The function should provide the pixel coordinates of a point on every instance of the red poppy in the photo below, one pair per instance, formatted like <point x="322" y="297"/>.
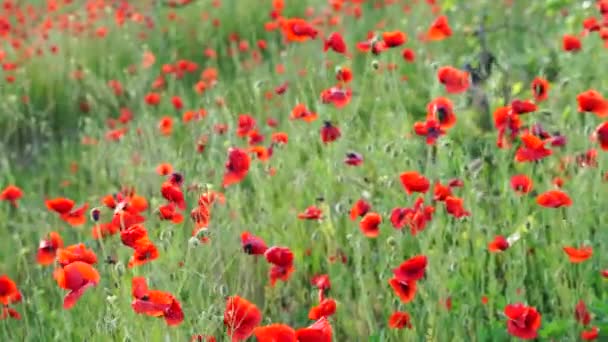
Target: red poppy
<point x="394" y="38"/>
<point x="590" y="335"/>
<point x="441" y="192"/>
<point x="319" y="331"/>
<point x="441" y="109"/>
<point x="321" y="282"/>
<point x="326" y="308"/>
<point x="252" y="244"/>
<point x="12" y="194"/>
<point x="280" y="256"/>
<point x="506" y="120"/>
<point x="416" y="217"/>
<point x="165" y="125"/>
<point x="337" y="96"/>
<point x="523" y="321"/>
<point x="298" y="30"/>
<point x="554" y="199"/>
<point x="370" y="225"/>
<point x="241" y="317"/>
<point x="9" y="293"/>
<point x="359" y="209"/>
<point x="408" y="55"/>
<point x="399" y="320"/>
<point x="60" y="205"/>
<point x="532" y="149"/>
<point x="523" y="107"/>
<point x="246" y="123"/>
<point x="164" y="169"/>
<point x="155" y="303"/>
<point x="439" y="30"/>
<point x="172" y="193"/>
<point x="601" y="134"/>
<point x="311" y="213"/>
<point x="279" y="138"/>
<point x="413" y="181"/>
<point x="540" y="89"/>
<point x="592" y="101"/>
<point x="412" y="269"/>
<point x="76" y="217"/>
<point x="237" y="166"/>
<point x="77" y="277"/>
<point x="578" y="255"/>
<point x="454" y="80"/>
<point x="336" y="42"/>
<point x="300" y="112"/>
<point x="275" y="333"/>
<point x="344" y="74"/>
<point x="521" y="184"/>
<point x="405" y="290"/>
<point x="454" y="207"/>
<point x="499" y="244"/>
<point x="571" y="43"/>
<point x="581" y="314"/>
<point x="353" y="159"/>
<point x="74" y="253"/>
<point x="431" y="129"/>
<point x="168" y="212"/>
<point x="145" y="251"/>
<point x="47" y="250"/>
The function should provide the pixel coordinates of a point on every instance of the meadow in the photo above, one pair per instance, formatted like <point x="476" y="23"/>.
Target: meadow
<point x="320" y="170"/>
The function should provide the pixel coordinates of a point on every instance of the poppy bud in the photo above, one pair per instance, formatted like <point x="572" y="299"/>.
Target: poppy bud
<point x="95" y="213"/>
<point x="375" y="64"/>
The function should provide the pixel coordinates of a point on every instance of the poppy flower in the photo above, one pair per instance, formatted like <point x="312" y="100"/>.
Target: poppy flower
<point x="581" y="314"/>
<point x="280" y="273"/>
<point x="60" y="205"/>
<point x="408" y="55"/>
<point x="439" y="29"/>
<point x="311" y="213"/>
<point x="164" y="169"/>
<point x="592" y="101"/>
<point x="145" y="251"/>
<point x="172" y="193"/>
<point x="280" y="256"/>
<point x="155" y="303"/>
<point x="353" y="159"/>
<point x="11" y="194"/>
<point x="571" y="43"/>
<point x="370" y="225"/>
<point x="394" y="38"/>
<point x="326" y="308"/>
<point x="279" y="138"/>
<point x="554" y="199"/>
<point x="77" y="277"/>
<point x="540" y="89"/>
<point x="319" y="331"/>
<point x="412" y="269"/>
<point x="532" y="149"/>
<point x="246" y="123"/>
<point x="431" y="129"/>
<point x="298" y="30"/>
<point x="300" y="112"/>
<point x="165" y="125"/>
<point x="454" y="80"/>
<point x="601" y="134"/>
<point x="76" y="217"/>
<point x="359" y="209"/>
<point x="521" y="184"/>
<point x="77" y="252"/>
<point x="168" y="212"/>
<point x="413" y="181"/>
<point x="416" y="217"/>
<point x="241" y="317"/>
<point x="321" y="282"/>
<point x="399" y="320"/>
<point x="337" y="96"/>
<point x="499" y="244"/>
<point x="405" y="290"/>
<point x="252" y="244"/>
<point x="275" y="333"/>
<point x="344" y="74"/>
<point x="454" y="207"/>
<point x="237" y="166"/>
<point x="522" y="321"/>
<point x="506" y="120"/>
<point x="441" y="109"/>
<point x="152" y="99"/>
<point x="336" y="42"/>
<point x="9" y="293"/>
<point x="590" y="335"/>
<point x="578" y="255"/>
<point x="523" y="107"/>
<point x="441" y="192"/>
<point x="47" y="250"/>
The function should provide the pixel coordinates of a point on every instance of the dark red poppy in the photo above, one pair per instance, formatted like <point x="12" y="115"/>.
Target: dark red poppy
<point x="359" y="209"/>
<point x="571" y="43"/>
<point x="399" y="320"/>
<point x="581" y="314"/>
<point x="412" y="269"/>
<point x="540" y="89"/>
<point x="499" y="244"/>
<point x="523" y="107"/>
<point x="336" y="42"/>
<point x="252" y="244"/>
<point x="405" y="290"/>
<point x="237" y="166"/>
<point x="408" y="55"/>
<point x="337" y="96"/>
<point x="601" y="134"/>
<point x="353" y="159"/>
<point x="522" y="321"/>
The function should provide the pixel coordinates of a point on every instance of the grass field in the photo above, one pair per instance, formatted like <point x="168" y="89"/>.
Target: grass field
<point x="421" y="163"/>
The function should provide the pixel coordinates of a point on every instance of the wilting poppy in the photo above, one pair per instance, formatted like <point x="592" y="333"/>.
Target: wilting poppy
<point x="240" y="318"/>
<point x="77" y="277"/>
<point x="578" y="255"/>
<point x="554" y="199"/>
<point x="523" y="321"/>
<point x="399" y="320"/>
<point x="47" y="250"/>
<point x="172" y="193"/>
<point x="370" y="225"/>
<point x="499" y="244"/>
<point x="168" y="212"/>
<point x="145" y="251"/>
